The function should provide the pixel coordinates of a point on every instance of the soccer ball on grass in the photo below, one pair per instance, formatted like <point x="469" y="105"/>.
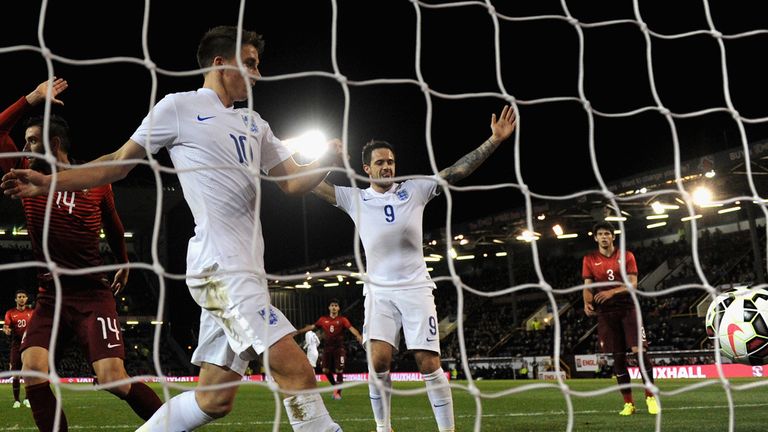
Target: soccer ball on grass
<point x="739" y="320"/>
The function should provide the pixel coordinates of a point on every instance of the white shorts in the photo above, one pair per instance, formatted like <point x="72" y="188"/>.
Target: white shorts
<point x="387" y="311"/>
<point x="312" y="355"/>
<point x="233" y="321"/>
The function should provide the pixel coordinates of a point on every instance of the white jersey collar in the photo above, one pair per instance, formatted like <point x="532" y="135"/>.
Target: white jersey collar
<point x="373" y="192"/>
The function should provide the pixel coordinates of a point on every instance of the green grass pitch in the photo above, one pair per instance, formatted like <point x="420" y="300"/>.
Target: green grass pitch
<point x="540" y="406"/>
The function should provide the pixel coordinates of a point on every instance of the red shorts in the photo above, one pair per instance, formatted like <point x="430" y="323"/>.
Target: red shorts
<point x="617" y="331"/>
<point x="15" y="356"/>
<point x="333" y="358"/>
<point x="91" y="315"/>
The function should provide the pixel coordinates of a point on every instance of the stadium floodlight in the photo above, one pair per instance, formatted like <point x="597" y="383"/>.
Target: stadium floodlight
<point x="657" y="216"/>
<point x="311" y="144"/>
<point x="655" y="225"/>
<point x="702" y="196"/>
<point x="729" y="209"/>
<point x="557" y="229"/>
<point x="709" y="174"/>
<point x="528" y="236"/>
<point x="567" y="236"/>
<point x="615" y="218"/>
<point x="687" y="218"/>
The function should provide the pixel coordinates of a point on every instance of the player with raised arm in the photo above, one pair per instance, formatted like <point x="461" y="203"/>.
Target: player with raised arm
<point x="225" y="258"/>
<point x="610" y="301"/>
<point x="334" y="326"/>
<point x="15" y="112"/>
<point x="16" y="321"/>
<point x="398" y="292"/>
<point x="88" y="308"/>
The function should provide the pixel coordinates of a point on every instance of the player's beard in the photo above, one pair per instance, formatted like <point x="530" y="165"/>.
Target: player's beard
<point x="39" y="165"/>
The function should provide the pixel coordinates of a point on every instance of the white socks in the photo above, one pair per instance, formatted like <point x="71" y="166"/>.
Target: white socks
<point x="181" y="413"/>
<point x="380" y="401"/>
<point x="307" y="413"/>
<point x="441" y="400"/>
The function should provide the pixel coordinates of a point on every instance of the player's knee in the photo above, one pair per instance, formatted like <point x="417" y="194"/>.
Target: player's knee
<point x="35" y="359"/>
<point x="215" y="404"/>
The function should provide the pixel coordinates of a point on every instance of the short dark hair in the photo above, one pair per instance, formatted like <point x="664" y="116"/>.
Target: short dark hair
<point x="372" y="145"/>
<point x="21" y="291"/>
<point x="334" y="300"/>
<point x="58" y="127"/>
<point x="602" y="225"/>
<point x="222" y="41"/>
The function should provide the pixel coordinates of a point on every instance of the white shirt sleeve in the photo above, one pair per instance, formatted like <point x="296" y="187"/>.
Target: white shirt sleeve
<point x="426" y="188"/>
<point x="165" y="127"/>
<point x="273" y="151"/>
<point x="345" y="198"/>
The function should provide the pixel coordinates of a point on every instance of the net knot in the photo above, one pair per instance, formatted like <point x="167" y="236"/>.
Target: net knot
<point x="716" y="34"/>
<point x="474" y="391"/>
<point x="149" y="64"/>
<point x="158" y="268"/>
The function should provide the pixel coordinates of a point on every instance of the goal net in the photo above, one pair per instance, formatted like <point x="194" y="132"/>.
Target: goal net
<point x="623" y="111"/>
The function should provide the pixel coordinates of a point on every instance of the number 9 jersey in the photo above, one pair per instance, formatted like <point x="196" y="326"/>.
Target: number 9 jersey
<point x="390" y="227"/>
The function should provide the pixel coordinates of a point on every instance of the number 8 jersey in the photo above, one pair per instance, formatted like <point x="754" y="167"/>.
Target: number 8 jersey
<point x="390" y="227"/>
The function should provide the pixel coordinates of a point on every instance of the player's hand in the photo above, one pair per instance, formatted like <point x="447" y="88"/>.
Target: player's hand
<point x="121" y="278"/>
<point x="25" y="183"/>
<point x="335" y="153"/>
<point x="503" y="127"/>
<point x="38" y="94"/>
<point x="7" y="331"/>
<point x="603" y="296"/>
<point x="589" y="309"/>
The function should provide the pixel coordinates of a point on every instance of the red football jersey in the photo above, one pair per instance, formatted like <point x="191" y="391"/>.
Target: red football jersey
<point x="333" y="329"/>
<point x="600" y="268"/>
<point x="76" y="221"/>
<point x="18" y="320"/>
<point x="76" y="217"/>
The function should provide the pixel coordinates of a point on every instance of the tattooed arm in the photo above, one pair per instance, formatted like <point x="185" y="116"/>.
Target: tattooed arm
<point x="501" y="128"/>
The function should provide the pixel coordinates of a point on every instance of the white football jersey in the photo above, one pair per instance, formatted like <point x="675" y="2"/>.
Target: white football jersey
<point x="212" y="146"/>
<point x="311" y="341"/>
<point x="390" y="227"/>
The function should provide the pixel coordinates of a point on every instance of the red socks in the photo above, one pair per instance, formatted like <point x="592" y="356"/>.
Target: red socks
<point x="43" y="404"/>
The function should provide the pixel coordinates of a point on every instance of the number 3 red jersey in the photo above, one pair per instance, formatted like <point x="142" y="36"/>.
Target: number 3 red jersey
<point x="600" y="268"/>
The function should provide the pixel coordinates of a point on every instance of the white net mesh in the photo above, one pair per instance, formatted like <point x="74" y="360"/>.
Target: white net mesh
<point x="602" y="94"/>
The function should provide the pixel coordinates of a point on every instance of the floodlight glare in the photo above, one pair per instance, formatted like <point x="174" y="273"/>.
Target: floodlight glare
<point x="311" y="144"/>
